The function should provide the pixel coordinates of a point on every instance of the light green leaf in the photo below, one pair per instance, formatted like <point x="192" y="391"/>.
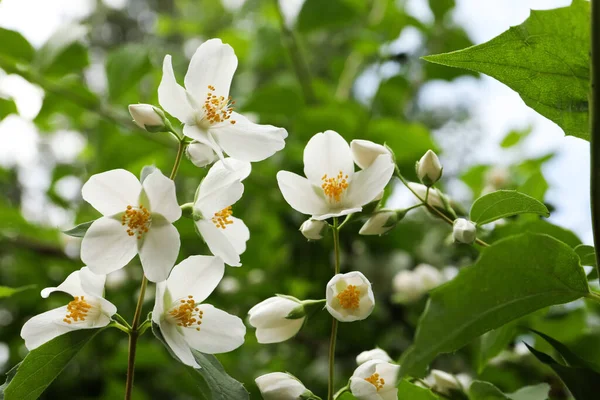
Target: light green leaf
<point x="505" y="203"/>
<point x="125" y="67"/>
<point x="42" y="365"/>
<point x="586" y="254"/>
<point x="486" y="391"/>
<point x="537" y="226"/>
<point x="493" y="342"/>
<point x="15" y="46"/>
<point x="514" y="137"/>
<point x="64" y="52"/>
<point x="545" y="59"/>
<point x="7" y="106"/>
<point x="407" y="390"/>
<point x="6" y="291"/>
<point x="512" y="278"/>
<point x="79" y="230"/>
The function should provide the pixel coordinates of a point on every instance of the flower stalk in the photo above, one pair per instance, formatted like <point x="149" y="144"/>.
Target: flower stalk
<point x="595" y="125"/>
<point x="334" y="323"/>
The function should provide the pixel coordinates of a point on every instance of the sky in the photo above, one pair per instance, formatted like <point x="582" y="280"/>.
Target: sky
<point x="495" y="108"/>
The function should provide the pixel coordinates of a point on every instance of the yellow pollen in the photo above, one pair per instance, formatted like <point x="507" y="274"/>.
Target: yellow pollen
<point x="77" y="310"/>
<point x="187" y="314"/>
<point x="222" y="218"/>
<point x="218" y="108"/>
<point x="349" y="297"/>
<point x="376" y="381"/>
<point x="334" y="187"/>
<point x="137" y="220"/>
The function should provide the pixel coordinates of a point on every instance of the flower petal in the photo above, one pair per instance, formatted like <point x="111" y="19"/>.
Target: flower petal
<point x="160" y="302"/>
<point x="106" y="247"/>
<point x="238" y="234"/>
<point x="362" y="389"/>
<point x="161" y="193"/>
<point x="327" y="153"/>
<point x="279" y="333"/>
<point x="171" y="96"/>
<point x="220" y="332"/>
<point x="71" y="285"/>
<point x="197" y="276"/>
<point x="92" y="283"/>
<point x="339" y="213"/>
<point x="218" y="243"/>
<point x="45" y="327"/>
<point x="368" y="183"/>
<point x="221" y="187"/>
<point x="388" y="372"/>
<point x="215" y="200"/>
<point x="301" y="194"/>
<point x="246" y="140"/>
<point x="177" y="343"/>
<point x="213" y="63"/>
<point x="159" y="249"/>
<point x="112" y="191"/>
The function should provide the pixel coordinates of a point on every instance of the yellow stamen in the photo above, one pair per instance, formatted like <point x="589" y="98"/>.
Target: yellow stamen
<point x="222" y="218"/>
<point x="137" y="220"/>
<point x="349" y="298"/>
<point x="77" y="310"/>
<point x="187" y="314"/>
<point x="334" y="187"/>
<point x="376" y="381"/>
<point x="217" y="108"/>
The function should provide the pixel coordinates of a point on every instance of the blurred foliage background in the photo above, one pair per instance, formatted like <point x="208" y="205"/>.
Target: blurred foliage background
<point x="307" y="74"/>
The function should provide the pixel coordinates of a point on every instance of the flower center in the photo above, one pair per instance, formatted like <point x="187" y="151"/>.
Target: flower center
<point x="186" y="314"/>
<point x="77" y="310"/>
<point x="376" y="381"/>
<point x="334" y="187"/>
<point x="217" y="108"/>
<point x="222" y="218"/>
<point x="137" y="220"/>
<point x="349" y="297"/>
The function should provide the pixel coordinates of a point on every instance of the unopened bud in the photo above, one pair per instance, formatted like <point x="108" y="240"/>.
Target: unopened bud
<point x="148" y="117"/>
<point x="313" y="229"/>
<point x="429" y="168"/>
<point x="464" y="231"/>
<point x="444" y="382"/>
<point x="201" y="154"/>
<point x="381" y="222"/>
<point x="282" y="386"/>
<point x="366" y="152"/>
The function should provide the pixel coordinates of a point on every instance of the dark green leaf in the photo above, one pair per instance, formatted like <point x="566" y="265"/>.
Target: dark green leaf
<point x="545" y="59"/>
<point x="79" y="230"/>
<point x="486" y="391"/>
<point x="8" y="291"/>
<point x="537" y="226"/>
<point x="505" y="203"/>
<point x="493" y="342"/>
<point x="407" y="390"/>
<point x="586" y="254"/>
<point x="15" y="46"/>
<point x="317" y="14"/>
<point x="125" y="67"/>
<point x="572" y="359"/>
<point x="42" y="365"/>
<point x="512" y="278"/>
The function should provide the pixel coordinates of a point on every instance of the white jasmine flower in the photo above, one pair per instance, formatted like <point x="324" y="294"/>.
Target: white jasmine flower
<point x="269" y="319"/>
<point x="313" y="229"/>
<point x="349" y="297"/>
<point x="366" y="152"/>
<point x="429" y="168"/>
<point x="375" y="354"/>
<point x="147" y="117"/>
<point x="225" y="235"/>
<point x="87" y="310"/>
<point x="200" y="154"/>
<point x="333" y="188"/>
<point x="185" y="322"/>
<point x="137" y="219"/>
<point x="206" y="108"/>
<point x="375" y="380"/>
<point x="281" y="386"/>
<point x="464" y="231"/>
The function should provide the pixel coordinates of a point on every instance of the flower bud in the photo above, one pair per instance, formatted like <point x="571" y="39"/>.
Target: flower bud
<point x="313" y="229"/>
<point x="148" y="117"/>
<point x="429" y="169"/>
<point x="365" y="152"/>
<point x="282" y="386"/>
<point x="429" y="277"/>
<point x="407" y="288"/>
<point x="349" y="297"/>
<point x="201" y="154"/>
<point x="444" y="382"/>
<point x="270" y="318"/>
<point x="381" y="222"/>
<point x="464" y="231"/>
<point x="375" y="354"/>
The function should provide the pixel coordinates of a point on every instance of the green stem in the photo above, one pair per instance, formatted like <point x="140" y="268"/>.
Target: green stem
<point x="348" y="218"/>
<point x="341" y="392"/>
<point x="137" y="329"/>
<point x="121" y="320"/>
<point x="120" y="327"/>
<point x="334" y="323"/>
<point x="595" y="127"/>
<point x="593" y="296"/>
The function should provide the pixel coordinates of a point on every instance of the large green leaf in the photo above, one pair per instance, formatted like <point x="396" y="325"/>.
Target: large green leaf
<point x="486" y="391"/>
<point x="212" y="379"/>
<point x="545" y="59"/>
<point x="125" y="67"/>
<point x="493" y="342"/>
<point x="410" y="391"/>
<point x="15" y="46"/>
<point x="505" y="203"/>
<point x="512" y="278"/>
<point x="42" y="365"/>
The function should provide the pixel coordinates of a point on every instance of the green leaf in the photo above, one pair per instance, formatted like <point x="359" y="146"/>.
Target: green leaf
<point x="586" y="254"/>
<point x="545" y="60"/>
<point x="7" y="106"/>
<point x="15" y="46"/>
<point x="407" y="390"/>
<point x="6" y="291"/>
<point x="493" y="342"/>
<point x="505" y="203"/>
<point x="537" y="226"/>
<point x="79" y="230"/>
<point x="347" y="396"/>
<point x="512" y="278"/>
<point x="514" y="137"/>
<point x="569" y="356"/>
<point x="125" y="67"/>
<point x="317" y="14"/>
<point x="42" y="365"/>
<point x="212" y="379"/>
<point x="441" y="7"/>
<point x="64" y="52"/>
<point x="486" y="391"/>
